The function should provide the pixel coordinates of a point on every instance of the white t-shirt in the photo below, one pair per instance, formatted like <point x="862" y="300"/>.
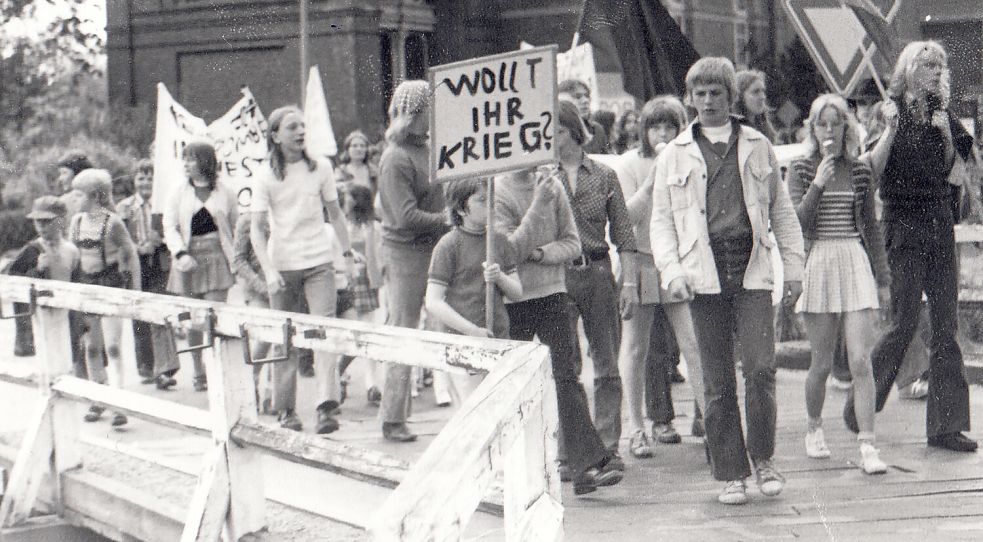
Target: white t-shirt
<point x="294" y="207"/>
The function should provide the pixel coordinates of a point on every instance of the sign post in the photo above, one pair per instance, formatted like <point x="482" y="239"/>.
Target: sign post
<point x="836" y="39"/>
<point x="492" y="115"/>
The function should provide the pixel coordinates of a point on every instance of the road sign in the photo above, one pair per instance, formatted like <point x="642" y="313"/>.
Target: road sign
<point x="835" y="38"/>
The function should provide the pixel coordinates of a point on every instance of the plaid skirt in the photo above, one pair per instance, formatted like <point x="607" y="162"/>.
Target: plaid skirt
<point x="212" y="273"/>
<point x="838" y="278"/>
<point x="365" y="298"/>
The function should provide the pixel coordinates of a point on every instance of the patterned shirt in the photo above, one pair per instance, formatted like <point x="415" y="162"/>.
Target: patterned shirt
<point x="597" y="201"/>
<point x="834" y="218"/>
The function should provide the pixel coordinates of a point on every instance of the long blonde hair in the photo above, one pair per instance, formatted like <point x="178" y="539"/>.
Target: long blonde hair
<point x="851" y="137"/>
<point x="409" y="100"/>
<point x="906" y="66"/>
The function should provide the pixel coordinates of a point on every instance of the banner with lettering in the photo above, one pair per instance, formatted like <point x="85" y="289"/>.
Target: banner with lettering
<point x="239" y="137"/>
<point x="176" y="127"/>
<point x="493" y="114"/>
<point x="578" y="63"/>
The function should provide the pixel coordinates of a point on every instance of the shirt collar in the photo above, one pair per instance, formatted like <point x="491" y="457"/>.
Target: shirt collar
<point x="735" y="121"/>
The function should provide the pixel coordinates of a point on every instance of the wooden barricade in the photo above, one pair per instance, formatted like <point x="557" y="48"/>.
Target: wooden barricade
<point x="509" y="424"/>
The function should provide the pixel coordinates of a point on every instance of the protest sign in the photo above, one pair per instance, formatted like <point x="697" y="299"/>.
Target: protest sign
<point x="493" y="114"/>
<point x="319" y="140"/>
<point x="578" y="63"/>
<point x="176" y="127"/>
<point x="239" y="137"/>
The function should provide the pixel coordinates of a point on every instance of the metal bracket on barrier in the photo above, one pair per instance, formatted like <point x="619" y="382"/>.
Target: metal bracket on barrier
<point x="32" y="304"/>
<point x="209" y="338"/>
<point x="288" y="344"/>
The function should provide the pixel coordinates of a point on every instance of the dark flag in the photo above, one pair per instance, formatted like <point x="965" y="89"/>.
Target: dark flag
<point x="876" y="27"/>
<point x="652" y="50"/>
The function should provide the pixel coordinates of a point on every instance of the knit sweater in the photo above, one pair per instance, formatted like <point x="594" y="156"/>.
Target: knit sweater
<point x="549" y="225"/>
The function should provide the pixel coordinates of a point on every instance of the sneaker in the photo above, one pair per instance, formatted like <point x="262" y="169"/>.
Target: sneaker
<point x="914" y="391"/>
<point x="770" y="482"/>
<point x="698" y="429"/>
<point x="566" y="475"/>
<point x="816" y="444"/>
<point x="665" y="433"/>
<point x="118" y="420"/>
<point x="638" y="445"/>
<point x="842" y="385"/>
<point x="615" y="462"/>
<point x="869" y="460"/>
<point x="200" y="383"/>
<point x="735" y="492"/>
<point x="94" y="413"/>
<point x="326" y="422"/>
<point x="374" y="396"/>
<point x="288" y="420"/>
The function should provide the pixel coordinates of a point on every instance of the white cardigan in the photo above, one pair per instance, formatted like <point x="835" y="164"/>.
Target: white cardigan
<point x="181" y="206"/>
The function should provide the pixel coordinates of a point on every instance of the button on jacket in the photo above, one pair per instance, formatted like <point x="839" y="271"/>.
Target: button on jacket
<point x="679" y="231"/>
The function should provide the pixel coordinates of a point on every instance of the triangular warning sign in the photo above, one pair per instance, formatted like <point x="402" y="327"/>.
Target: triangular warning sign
<point x="835" y="38"/>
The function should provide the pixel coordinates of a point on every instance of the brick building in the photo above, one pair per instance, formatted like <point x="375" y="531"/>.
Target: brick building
<point x="204" y="50"/>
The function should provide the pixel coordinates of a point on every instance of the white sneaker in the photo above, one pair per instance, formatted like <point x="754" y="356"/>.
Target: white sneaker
<point x="870" y="462"/>
<point x="914" y="391"/>
<point x="770" y="481"/>
<point x="816" y="444"/>
<point x="735" y="492"/>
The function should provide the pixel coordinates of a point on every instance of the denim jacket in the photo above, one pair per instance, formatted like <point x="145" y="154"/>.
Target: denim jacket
<point x="806" y="195"/>
<point x="679" y="233"/>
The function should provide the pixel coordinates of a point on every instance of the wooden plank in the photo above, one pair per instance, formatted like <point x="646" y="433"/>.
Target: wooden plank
<point x="231" y="399"/>
<point x="31" y="465"/>
<point x="315" y="451"/>
<point x="542" y="522"/>
<point x="209" y="506"/>
<point x="118" y="511"/>
<point x="525" y="472"/>
<point x="350" y="337"/>
<point x="436" y="499"/>
<point x="151" y="409"/>
<point x="969" y="233"/>
<point x="21" y="374"/>
<point x="52" y="335"/>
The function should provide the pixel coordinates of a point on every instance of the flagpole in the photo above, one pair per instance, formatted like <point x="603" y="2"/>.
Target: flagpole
<point x="580" y="21"/>
<point x="490" y="256"/>
<point x="303" y="49"/>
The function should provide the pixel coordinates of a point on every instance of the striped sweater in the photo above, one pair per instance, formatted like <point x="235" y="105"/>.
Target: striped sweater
<point x="807" y="197"/>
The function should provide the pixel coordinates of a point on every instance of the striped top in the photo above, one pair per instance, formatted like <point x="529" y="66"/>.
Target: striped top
<point x="835" y="218"/>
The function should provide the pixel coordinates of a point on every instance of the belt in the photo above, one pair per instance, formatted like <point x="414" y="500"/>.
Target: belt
<point x="586" y="258"/>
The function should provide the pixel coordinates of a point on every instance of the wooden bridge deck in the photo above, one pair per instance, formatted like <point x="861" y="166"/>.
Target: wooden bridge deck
<point x="926" y="495"/>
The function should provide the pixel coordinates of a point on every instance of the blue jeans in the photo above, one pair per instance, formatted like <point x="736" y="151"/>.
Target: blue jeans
<point x="715" y="318"/>
<point x="406" y="271"/>
<point x="595" y="299"/>
<point x="316" y="286"/>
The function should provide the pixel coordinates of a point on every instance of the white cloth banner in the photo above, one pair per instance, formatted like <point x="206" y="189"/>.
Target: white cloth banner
<point x="176" y="127"/>
<point x="239" y="137"/>
<point x="319" y="138"/>
<point x="578" y="63"/>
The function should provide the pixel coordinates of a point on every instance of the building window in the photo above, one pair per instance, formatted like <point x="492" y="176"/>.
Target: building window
<point x="742" y="56"/>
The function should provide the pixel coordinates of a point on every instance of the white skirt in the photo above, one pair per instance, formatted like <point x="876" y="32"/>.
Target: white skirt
<point x="838" y="278"/>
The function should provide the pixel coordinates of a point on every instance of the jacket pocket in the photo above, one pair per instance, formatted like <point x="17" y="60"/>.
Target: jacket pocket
<point x="679" y="192"/>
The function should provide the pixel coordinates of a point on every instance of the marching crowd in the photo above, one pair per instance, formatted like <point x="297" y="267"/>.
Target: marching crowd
<point x="669" y="257"/>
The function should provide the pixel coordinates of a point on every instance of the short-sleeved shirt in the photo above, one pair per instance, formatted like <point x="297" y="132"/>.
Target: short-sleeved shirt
<point x="295" y="209"/>
<point x="456" y="264"/>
